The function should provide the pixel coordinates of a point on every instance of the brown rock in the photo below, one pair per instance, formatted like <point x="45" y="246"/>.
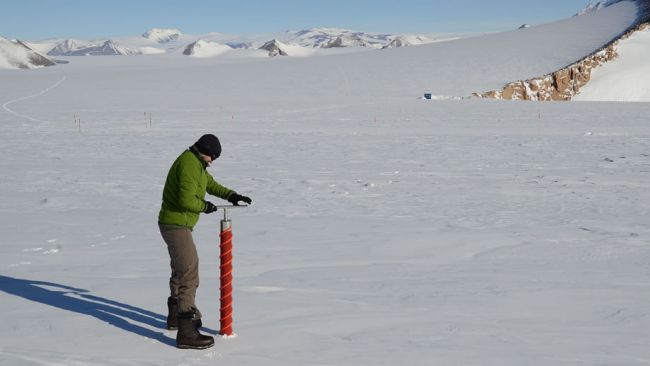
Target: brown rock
<point x="562" y="80"/>
<point x="514" y="91"/>
<point x="492" y="94"/>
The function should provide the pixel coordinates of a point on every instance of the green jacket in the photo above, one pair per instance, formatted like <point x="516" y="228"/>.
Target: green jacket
<point x="184" y="192"/>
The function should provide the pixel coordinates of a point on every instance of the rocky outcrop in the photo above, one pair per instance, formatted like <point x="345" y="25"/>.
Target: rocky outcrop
<point x="275" y="48"/>
<point x="397" y="42"/>
<point x="349" y="40"/>
<point x="562" y="84"/>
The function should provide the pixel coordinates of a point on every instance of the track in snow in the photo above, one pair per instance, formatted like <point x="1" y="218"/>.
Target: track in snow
<point x="42" y="92"/>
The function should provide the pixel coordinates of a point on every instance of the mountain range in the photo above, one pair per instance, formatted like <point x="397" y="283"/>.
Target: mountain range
<point x="303" y="43"/>
<point x="173" y="41"/>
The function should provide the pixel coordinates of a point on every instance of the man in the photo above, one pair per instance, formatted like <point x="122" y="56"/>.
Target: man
<point x="182" y="202"/>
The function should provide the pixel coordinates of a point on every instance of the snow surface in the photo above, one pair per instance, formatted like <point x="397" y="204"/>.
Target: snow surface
<point x="384" y="229"/>
<point x="627" y="78"/>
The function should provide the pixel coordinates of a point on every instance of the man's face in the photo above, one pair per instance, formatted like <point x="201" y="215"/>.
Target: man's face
<point x="208" y="159"/>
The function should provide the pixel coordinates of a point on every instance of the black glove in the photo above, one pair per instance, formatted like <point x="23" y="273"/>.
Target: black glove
<point x="209" y="207"/>
<point x="235" y="197"/>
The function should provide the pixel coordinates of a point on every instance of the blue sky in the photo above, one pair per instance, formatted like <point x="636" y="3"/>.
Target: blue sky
<point x="39" y="19"/>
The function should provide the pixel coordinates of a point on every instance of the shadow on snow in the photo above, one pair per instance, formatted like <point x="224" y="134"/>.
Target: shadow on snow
<point x="81" y="301"/>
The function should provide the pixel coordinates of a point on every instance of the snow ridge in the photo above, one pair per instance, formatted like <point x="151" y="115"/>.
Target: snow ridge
<point x="16" y="54"/>
<point x="565" y="83"/>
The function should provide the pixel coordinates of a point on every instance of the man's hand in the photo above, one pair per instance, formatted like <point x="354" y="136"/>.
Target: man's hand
<point x="234" y="198"/>
<point x="209" y="207"/>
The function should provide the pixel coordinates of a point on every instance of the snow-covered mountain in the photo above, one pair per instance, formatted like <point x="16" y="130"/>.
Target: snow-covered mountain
<point x="404" y="41"/>
<point x="162" y="35"/>
<point x="290" y="43"/>
<point x="106" y="48"/>
<point x="67" y="47"/>
<point x="350" y="40"/>
<point x="239" y="45"/>
<point x="397" y="42"/>
<point x="277" y="48"/>
<point x="202" y="49"/>
<point x="17" y="55"/>
<point x="334" y="37"/>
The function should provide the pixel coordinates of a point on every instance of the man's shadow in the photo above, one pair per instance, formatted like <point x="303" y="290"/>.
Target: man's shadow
<point x="81" y="301"/>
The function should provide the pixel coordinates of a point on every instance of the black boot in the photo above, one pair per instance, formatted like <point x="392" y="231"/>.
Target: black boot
<point x="188" y="336"/>
<point x="197" y="323"/>
<point x="172" y="317"/>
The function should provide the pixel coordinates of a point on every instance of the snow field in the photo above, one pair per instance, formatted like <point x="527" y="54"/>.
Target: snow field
<point x="454" y="231"/>
<point x="385" y="229"/>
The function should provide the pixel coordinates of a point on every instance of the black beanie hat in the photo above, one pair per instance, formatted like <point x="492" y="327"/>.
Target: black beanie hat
<point x="209" y="145"/>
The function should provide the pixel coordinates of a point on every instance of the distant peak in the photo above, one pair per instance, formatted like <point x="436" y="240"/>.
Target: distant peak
<point x="597" y="6"/>
<point x="162" y="35"/>
<point x="202" y="48"/>
<point x="275" y="48"/>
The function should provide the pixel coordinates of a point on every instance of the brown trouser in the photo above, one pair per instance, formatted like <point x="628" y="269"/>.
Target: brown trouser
<point x="184" y="264"/>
